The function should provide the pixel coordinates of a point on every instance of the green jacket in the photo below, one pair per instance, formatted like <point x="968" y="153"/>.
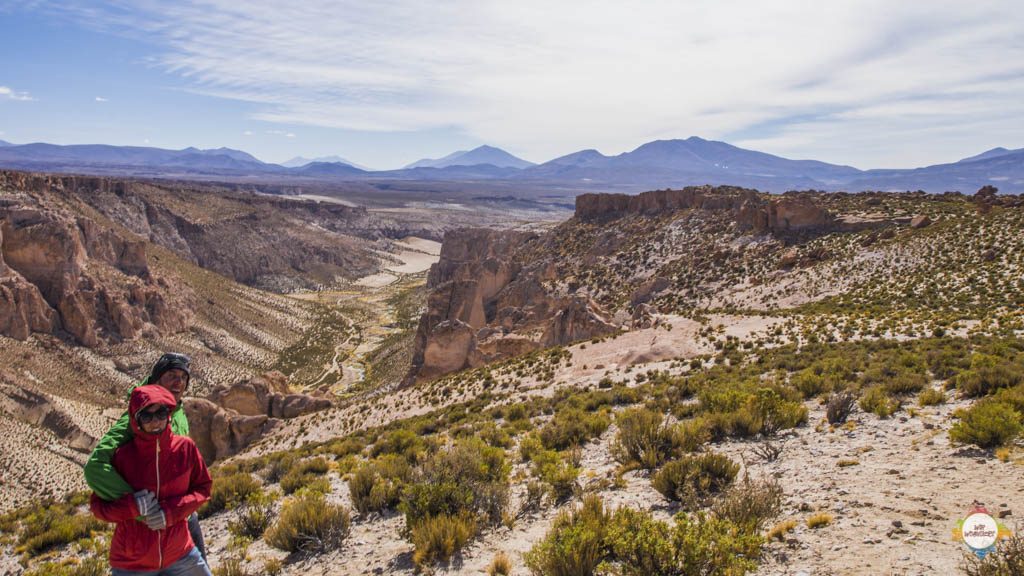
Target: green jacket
<point x="100" y="474"/>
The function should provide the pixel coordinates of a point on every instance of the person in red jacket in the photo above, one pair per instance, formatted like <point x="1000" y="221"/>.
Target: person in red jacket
<point x="170" y="481"/>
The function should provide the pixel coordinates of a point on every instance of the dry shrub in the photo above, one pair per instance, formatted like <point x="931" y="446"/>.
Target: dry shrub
<point x="309" y="524"/>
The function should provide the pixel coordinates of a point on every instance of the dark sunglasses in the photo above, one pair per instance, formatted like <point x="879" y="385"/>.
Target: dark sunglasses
<point x="147" y="416"/>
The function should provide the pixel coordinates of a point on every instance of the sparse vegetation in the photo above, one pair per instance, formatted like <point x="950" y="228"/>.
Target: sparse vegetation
<point x="310" y="524"/>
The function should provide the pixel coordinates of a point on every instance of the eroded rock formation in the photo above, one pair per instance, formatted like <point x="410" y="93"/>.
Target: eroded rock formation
<point x="487" y="304"/>
<point x="233" y="417"/>
<point x="61" y="271"/>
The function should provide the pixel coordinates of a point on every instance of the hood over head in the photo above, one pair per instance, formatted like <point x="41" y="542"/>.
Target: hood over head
<point x="144" y="396"/>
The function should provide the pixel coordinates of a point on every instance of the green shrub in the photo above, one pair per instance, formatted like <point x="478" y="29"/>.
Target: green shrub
<point x="558" y="472"/>
<point x="692" y="480"/>
<point x="403" y="442"/>
<point x="438" y="538"/>
<point x="253" y="518"/>
<point x="470" y="477"/>
<point x="697" y="545"/>
<point x="645" y="439"/>
<point x="377" y="485"/>
<point x="91" y="566"/>
<point x="630" y="542"/>
<point x="690" y="435"/>
<point x="641" y="544"/>
<point x="309" y="523"/>
<point x="280" y="464"/>
<point x="775" y="412"/>
<point x="988" y="374"/>
<point x="574" y="545"/>
<point x="572" y="427"/>
<point x="750" y="504"/>
<point x="987" y="424"/>
<point x="56" y="526"/>
<point x="931" y="397"/>
<point x="305" y="474"/>
<point x="876" y="401"/>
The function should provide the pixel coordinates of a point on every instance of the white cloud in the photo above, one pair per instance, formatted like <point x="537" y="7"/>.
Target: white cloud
<point x="101" y="99"/>
<point x="10" y="94"/>
<point x="247" y="133"/>
<point x="867" y="78"/>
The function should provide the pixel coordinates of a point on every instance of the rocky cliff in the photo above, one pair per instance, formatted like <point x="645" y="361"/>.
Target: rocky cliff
<point x="761" y="213"/>
<point x="61" y="271"/>
<point x="488" y="303"/>
<point x="619" y="262"/>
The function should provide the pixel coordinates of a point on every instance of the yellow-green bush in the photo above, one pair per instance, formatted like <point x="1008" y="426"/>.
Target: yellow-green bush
<point x="253" y="518"/>
<point x="931" y="397"/>
<point x="438" y="538"/>
<point x="305" y="473"/>
<point x="308" y="523"/>
<point x="876" y="401"/>
<point x="230" y="491"/>
<point x="377" y="485"/>
<point x="575" y="544"/>
<point x="92" y="566"/>
<point x="571" y="427"/>
<point x="692" y="480"/>
<point x="55" y="526"/>
<point x="644" y="439"/>
<point x="469" y="477"/>
<point x="583" y="540"/>
<point x="989" y="423"/>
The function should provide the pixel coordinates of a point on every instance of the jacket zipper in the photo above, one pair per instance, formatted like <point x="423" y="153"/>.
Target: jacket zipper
<point x="159" y="543"/>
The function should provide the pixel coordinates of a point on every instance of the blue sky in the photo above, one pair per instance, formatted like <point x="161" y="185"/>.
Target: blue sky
<point x="863" y="82"/>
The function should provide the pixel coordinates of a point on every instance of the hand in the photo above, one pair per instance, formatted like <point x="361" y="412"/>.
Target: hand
<point x="156" y="519"/>
<point x="145" y="501"/>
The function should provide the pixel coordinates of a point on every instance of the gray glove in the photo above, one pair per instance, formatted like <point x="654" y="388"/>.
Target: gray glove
<point x="156" y="520"/>
<point x="145" y="501"/>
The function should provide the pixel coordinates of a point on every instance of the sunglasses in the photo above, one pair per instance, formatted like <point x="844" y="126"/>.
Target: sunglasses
<point x="147" y="416"/>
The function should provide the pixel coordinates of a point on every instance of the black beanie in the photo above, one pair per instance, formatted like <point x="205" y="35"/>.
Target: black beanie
<point x="169" y="361"/>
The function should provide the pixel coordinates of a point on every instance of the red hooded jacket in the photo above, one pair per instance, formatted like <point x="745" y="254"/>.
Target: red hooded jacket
<point x="172" y="468"/>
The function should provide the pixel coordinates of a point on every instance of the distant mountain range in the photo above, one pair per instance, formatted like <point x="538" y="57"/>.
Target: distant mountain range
<point x="476" y="156"/>
<point x="658" y="164"/>
<point x="299" y="162"/>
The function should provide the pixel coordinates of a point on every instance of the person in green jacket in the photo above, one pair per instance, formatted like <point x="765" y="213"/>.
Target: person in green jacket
<point x="172" y="371"/>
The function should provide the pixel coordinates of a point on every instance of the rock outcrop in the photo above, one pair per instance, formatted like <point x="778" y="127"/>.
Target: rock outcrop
<point x="779" y="215"/>
<point x="488" y="302"/>
<point x="60" y="271"/>
<point x="233" y="417"/>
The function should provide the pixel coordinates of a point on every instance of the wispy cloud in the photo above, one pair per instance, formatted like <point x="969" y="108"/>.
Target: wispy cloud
<point x="284" y="133"/>
<point x="101" y="99"/>
<point x="546" y="78"/>
<point x="247" y="133"/>
<point x="10" y="94"/>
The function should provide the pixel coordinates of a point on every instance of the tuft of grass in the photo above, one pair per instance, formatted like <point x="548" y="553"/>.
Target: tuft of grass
<point x="819" y="520"/>
<point x="501" y="565"/>
<point x="931" y="397"/>
<point x="846" y="462"/>
<point x="779" y="531"/>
